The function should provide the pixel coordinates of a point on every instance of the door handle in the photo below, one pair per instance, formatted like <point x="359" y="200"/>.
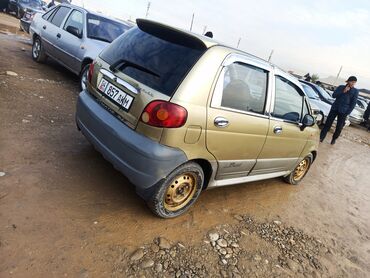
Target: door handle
<point x="59" y="35"/>
<point x="44" y="27"/>
<point x="278" y="130"/>
<point x="221" y="122"/>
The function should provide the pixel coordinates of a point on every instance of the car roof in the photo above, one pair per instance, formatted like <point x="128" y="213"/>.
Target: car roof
<point x="308" y="83"/>
<point x="95" y="13"/>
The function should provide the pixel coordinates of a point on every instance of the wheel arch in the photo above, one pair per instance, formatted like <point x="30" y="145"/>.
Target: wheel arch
<point x="207" y="170"/>
<point x="35" y="35"/>
<point x="314" y="155"/>
<point x="85" y="61"/>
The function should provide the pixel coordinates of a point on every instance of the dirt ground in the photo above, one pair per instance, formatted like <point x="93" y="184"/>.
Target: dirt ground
<point x="66" y="212"/>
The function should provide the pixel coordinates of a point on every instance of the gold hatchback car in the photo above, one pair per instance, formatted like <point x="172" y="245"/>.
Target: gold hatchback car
<point x="178" y="113"/>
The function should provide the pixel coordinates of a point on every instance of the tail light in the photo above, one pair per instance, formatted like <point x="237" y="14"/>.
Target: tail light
<point x="91" y="71"/>
<point x="160" y="113"/>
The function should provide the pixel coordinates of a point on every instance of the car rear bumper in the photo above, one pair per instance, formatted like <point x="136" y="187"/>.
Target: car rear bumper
<point x="355" y="120"/>
<point x="143" y="161"/>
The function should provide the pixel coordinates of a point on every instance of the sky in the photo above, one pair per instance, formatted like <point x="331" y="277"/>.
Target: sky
<point x="316" y="36"/>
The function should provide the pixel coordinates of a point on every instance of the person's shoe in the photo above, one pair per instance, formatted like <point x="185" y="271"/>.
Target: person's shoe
<point x="333" y="141"/>
<point x="321" y="140"/>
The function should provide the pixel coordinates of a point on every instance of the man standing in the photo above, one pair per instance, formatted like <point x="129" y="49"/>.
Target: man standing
<point x="345" y="101"/>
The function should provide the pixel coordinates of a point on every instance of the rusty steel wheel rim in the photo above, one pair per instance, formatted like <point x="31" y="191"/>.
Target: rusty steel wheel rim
<point x="180" y="192"/>
<point x="301" y="169"/>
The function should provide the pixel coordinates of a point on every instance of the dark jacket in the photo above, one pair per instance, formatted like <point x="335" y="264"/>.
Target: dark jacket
<point x="344" y="102"/>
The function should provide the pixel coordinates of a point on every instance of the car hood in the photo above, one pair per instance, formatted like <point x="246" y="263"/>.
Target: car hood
<point x="32" y="7"/>
<point x="320" y="105"/>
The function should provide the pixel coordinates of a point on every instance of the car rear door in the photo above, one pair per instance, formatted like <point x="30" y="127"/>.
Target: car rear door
<point x="237" y="122"/>
<point x="72" y="48"/>
<point x="51" y="31"/>
<point x="285" y="141"/>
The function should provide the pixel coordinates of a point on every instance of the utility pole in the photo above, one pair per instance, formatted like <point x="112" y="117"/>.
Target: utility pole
<point x="147" y="10"/>
<point x="192" y="20"/>
<point x="272" y="52"/>
<point x="340" y="70"/>
<point x="237" y="46"/>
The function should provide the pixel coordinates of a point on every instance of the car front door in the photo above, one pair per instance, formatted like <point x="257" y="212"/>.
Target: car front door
<point x="237" y="123"/>
<point x="71" y="43"/>
<point x="285" y="140"/>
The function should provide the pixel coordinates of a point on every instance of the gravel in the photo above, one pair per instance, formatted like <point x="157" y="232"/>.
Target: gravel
<point x="227" y="252"/>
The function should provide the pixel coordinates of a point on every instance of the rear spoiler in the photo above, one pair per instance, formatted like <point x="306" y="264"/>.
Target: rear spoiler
<point x="171" y="34"/>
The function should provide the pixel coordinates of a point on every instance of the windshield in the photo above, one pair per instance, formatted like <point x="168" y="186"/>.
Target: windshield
<point x="310" y="92"/>
<point x="324" y="93"/>
<point x="104" y="29"/>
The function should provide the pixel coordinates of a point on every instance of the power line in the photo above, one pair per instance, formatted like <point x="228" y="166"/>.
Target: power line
<point x="192" y="20"/>
<point x="147" y="10"/>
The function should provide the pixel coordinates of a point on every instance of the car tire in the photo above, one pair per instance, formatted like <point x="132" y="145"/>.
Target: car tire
<point x="300" y="171"/>
<point x="83" y="77"/>
<point x="178" y="192"/>
<point x="18" y="13"/>
<point x="38" y="52"/>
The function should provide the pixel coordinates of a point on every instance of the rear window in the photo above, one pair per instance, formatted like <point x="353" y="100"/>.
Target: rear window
<point x="159" y="60"/>
<point x="60" y="15"/>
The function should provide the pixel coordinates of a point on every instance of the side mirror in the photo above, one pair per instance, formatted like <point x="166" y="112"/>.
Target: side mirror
<point x="74" y="31"/>
<point x="308" y="120"/>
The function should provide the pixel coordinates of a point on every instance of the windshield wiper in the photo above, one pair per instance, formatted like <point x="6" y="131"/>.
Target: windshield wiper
<point x="100" y="39"/>
<point x="122" y="63"/>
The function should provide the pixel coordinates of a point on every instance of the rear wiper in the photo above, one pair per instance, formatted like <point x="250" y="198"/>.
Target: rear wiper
<point x="122" y="63"/>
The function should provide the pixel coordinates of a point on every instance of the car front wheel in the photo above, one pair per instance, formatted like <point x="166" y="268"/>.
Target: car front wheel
<point x="300" y="171"/>
<point x="38" y="52"/>
<point x="178" y="192"/>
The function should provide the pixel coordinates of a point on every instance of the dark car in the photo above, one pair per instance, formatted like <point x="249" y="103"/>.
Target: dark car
<point x="20" y="7"/>
<point x="324" y="95"/>
<point x="26" y="20"/>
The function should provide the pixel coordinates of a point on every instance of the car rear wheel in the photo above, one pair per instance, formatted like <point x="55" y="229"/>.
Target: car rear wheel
<point x="83" y="77"/>
<point x="38" y="52"/>
<point x="178" y="192"/>
<point x="300" y="171"/>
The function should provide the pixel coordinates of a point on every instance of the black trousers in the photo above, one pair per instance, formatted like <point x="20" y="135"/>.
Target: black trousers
<point x="329" y="122"/>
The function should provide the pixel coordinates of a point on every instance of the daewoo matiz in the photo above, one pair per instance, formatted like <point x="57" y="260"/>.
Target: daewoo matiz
<point x="178" y="113"/>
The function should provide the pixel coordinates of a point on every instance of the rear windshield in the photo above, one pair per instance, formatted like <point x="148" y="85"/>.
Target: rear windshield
<point x="104" y="29"/>
<point x="158" y="61"/>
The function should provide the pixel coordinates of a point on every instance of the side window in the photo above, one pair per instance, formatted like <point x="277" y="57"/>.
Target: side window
<point x="60" y="15"/>
<point x="47" y="16"/>
<point x="75" y="20"/>
<point x="244" y="88"/>
<point x="288" y="100"/>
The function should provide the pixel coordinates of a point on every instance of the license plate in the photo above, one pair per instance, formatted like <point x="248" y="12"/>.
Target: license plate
<point x="118" y="96"/>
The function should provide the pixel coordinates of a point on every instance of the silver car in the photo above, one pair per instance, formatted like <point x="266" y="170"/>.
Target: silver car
<point x="73" y="36"/>
<point x="318" y="104"/>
